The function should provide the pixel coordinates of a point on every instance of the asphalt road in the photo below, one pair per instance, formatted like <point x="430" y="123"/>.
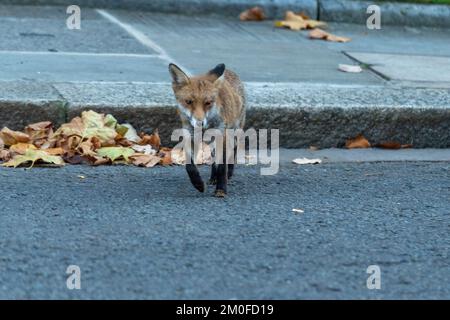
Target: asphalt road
<point x="146" y="233"/>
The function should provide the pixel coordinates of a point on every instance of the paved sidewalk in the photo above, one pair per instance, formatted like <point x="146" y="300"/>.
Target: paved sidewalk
<point x="118" y="62"/>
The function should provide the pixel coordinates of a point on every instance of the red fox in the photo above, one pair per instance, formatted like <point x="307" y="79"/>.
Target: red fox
<point x="212" y="100"/>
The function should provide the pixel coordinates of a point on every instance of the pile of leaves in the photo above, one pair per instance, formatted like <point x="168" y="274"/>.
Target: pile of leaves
<point x="93" y="138"/>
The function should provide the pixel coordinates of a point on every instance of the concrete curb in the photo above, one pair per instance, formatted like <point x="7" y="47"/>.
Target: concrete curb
<point x="306" y="115"/>
<point x="348" y="11"/>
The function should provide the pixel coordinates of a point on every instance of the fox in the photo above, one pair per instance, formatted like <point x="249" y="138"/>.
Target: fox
<point x="214" y="100"/>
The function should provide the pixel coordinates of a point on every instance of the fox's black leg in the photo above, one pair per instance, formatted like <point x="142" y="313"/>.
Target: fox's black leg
<point x="193" y="173"/>
<point x="213" y="178"/>
<point x="231" y="165"/>
<point x="230" y="170"/>
<point x="195" y="177"/>
<point x="221" y="187"/>
<point x="221" y="174"/>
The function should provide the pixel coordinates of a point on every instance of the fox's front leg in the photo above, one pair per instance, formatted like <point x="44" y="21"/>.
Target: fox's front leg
<point x="213" y="177"/>
<point x="221" y="176"/>
<point x="193" y="173"/>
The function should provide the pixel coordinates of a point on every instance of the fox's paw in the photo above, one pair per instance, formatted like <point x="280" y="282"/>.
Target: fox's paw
<point x="212" y="182"/>
<point x="220" y="193"/>
<point x="201" y="186"/>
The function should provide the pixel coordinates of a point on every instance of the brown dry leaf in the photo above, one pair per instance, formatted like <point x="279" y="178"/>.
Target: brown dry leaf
<point x="5" y="155"/>
<point x="86" y="148"/>
<point x="358" y="142"/>
<point x="39" y="132"/>
<point x="394" y="145"/>
<point x="154" y="140"/>
<point x="323" y="35"/>
<point x="253" y="14"/>
<point x="10" y="137"/>
<point x="145" y="160"/>
<point x="166" y="156"/>
<point x="54" y="151"/>
<point x="389" y="145"/>
<point x="298" y="22"/>
<point x="21" y="148"/>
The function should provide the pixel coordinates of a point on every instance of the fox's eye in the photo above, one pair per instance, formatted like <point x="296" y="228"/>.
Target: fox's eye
<point x="208" y="103"/>
<point x="189" y="102"/>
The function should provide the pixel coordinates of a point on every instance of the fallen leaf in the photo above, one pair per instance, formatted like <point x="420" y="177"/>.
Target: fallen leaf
<point x="389" y="145"/>
<point x="91" y="124"/>
<point x="115" y="153"/>
<point x="358" y="142"/>
<point x="39" y="132"/>
<point x="5" y="155"/>
<point x="154" y="140"/>
<point x="349" y="68"/>
<point x="297" y="22"/>
<point x="323" y="35"/>
<point x="166" y="156"/>
<point x="392" y="145"/>
<point x="54" y="151"/>
<point x="33" y="156"/>
<point x="306" y="161"/>
<point x="21" y="148"/>
<point x="253" y="14"/>
<point x="145" y="160"/>
<point x="10" y="137"/>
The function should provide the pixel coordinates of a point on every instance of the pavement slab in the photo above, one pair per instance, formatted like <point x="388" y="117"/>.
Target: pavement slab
<point x="36" y="28"/>
<point x="258" y="51"/>
<point x="407" y="67"/>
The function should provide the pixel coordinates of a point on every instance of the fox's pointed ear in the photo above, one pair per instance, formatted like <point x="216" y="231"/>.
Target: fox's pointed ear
<point x="178" y="76"/>
<point x="218" y="72"/>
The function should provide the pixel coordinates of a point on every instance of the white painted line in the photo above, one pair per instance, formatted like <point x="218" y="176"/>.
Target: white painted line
<point x="81" y="54"/>
<point x="142" y="38"/>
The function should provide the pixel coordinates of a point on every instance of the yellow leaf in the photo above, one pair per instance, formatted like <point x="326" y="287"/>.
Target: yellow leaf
<point x="114" y="153"/>
<point x="323" y="35"/>
<point x="32" y="156"/>
<point x="21" y="148"/>
<point x="298" y="22"/>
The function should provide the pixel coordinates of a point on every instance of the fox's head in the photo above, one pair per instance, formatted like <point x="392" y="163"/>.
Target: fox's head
<point x="197" y="95"/>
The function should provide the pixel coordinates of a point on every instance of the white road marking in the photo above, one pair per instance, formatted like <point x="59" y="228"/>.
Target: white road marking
<point x="142" y="38"/>
<point x="81" y="54"/>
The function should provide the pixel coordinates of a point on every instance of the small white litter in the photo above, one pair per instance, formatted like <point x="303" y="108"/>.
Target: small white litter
<point x="349" y="68"/>
<point x="298" y="210"/>
<point x="306" y="161"/>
